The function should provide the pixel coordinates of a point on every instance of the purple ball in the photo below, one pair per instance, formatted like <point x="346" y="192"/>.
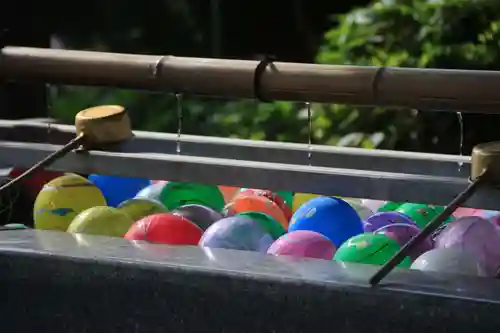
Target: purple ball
<point x="476" y="235"/>
<point x="403" y="233"/>
<point x="236" y="233"/>
<point x="380" y="220"/>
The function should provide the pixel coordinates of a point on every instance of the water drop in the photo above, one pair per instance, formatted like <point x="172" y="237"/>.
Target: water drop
<point x="461" y="126"/>
<point x="178" y="98"/>
<point x="309" y="145"/>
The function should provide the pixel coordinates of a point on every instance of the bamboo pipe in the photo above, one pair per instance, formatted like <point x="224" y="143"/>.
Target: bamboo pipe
<point x="427" y="89"/>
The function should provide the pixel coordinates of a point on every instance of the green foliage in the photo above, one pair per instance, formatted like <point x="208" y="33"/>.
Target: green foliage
<point x="408" y="33"/>
<point x="461" y="34"/>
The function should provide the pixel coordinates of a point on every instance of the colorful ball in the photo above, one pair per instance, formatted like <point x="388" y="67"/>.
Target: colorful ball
<point x="202" y="216"/>
<point x="303" y="244"/>
<point x="363" y="211"/>
<point x="372" y="204"/>
<point x="176" y="194"/>
<point x="237" y="233"/>
<point x="464" y="211"/>
<point x="389" y="206"/>
<point x="420" y="214"/>
<point x="228" y="192"/>
<point x="62" y="199"/>
<point x="165" y="228"/>
<point x="380" y="220"/>
<point x="152" y="191"/>
<point x="368" y="248"/>
<point x="495" y="220"/>
<point x="101" y="220"/>
<point x="287" y="197"/>
<point x="439" y="210"/>
<point x="137" y="208"/>
<point x="268" y="223"/>
<point x="252" y="203"/>
<point x="450" y="260"/>
<point x="476" y="235"/>
<point x="403" y="233"/>
<point x="487" y="213"/>
<point x="118" y="189"/>
<point x="37" y="180"/>
<point x="15" y="226"/>
<point x="350" y="200"/>
<point x="331" y="217"/>
<point x="300" y="199"/>
<point x="274" y="197"/>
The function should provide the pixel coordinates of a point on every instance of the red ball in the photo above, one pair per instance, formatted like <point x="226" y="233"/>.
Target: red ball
<point x="271" y="196"/>
<point x="165" y="228"/>
<point x="36" y="181"/>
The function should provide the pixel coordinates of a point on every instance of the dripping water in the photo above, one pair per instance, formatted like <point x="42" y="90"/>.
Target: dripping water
<point x="178" y="98"/>
<point x="461" y="126"/>
<point x="309" y="145"/>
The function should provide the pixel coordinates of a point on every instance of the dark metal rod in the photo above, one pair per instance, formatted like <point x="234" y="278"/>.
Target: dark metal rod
<point x="433" y="225"/>
<point x="427" y="89"/>
<point x="273" y="176"/>
<point x="45" y="162"/>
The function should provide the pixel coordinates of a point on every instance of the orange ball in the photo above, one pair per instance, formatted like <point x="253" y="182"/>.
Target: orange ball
<point x="165" y="228"/>
<point x="228" y="192"/>
<point x="253" y="203"/>
<point x="271" y="196"/>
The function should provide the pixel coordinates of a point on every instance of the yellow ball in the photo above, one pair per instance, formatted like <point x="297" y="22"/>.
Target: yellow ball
<point x="61" y="199"/>
<point x="301" y="198"/>
<point x="102" y="221"/>
<point x="137" y="208"/>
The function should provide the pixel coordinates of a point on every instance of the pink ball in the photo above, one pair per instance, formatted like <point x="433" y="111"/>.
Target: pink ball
<point x="476" y="235"/>
<point x="463" y="211"/>
<point x="303" y="244"/>
<point x="490" y="215"/>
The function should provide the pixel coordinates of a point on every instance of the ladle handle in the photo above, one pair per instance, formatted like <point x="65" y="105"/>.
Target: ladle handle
<point x="73" y="144"/>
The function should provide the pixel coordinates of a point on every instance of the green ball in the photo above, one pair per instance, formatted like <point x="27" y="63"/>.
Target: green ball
<point x="177" y="194"/>
<point x="15" y="226"/>
<point x="273" y="227"/>
<point x="287" y="197"/>
<point x="389" y="206"/>
<point x="137" y="208"/>
<point x="421" y="214"/>
<point x="101" y="220"/>
<point x="368" y="248"/>
<point x="439" y="210"/>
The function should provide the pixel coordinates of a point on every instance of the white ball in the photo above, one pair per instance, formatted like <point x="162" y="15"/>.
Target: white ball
<point x="363" y="211"/>
<point x="372" y="204"/>
<point x="450" y="260"/>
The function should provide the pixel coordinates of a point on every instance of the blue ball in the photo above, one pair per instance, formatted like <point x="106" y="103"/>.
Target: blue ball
<point x="118" y="189"/>
<point x="332" y="217"/>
